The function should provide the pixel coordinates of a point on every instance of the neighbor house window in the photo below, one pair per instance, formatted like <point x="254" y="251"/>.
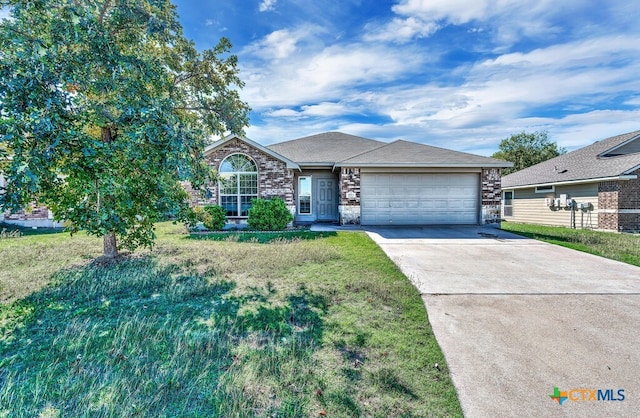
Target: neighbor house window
<point x="545" y="189"/>
<point x="304" y="195"/>
<point x="507" y="203"/>
<point x="238" y="184"/>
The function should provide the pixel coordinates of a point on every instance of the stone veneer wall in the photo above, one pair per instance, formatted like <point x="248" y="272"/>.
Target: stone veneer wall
<point x="619" y="205"/>
<point x="274" y="178"/>
<point x="491" y="195"/>
<point x="349" y="205"/>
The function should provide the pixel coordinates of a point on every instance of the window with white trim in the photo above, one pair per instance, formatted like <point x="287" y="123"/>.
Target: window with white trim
<point x="304" y="195"/>
<point x="238" y="184"/>
<point x="507" y="203"/>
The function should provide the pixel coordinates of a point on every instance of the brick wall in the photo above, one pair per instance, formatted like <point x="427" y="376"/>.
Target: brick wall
<point x="349" y="205"/>
<point x="619" y="205"/>
<point x="32" y="214"/>
<point x="629" y="204"/>
<point x="274" y="178"/>
<point x="608" y="192"/>
<point x="491" y="195"/>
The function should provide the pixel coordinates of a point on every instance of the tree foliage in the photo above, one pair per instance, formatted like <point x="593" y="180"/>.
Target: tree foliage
<point x="105" y="107"/>
<point x="526" y="149"/>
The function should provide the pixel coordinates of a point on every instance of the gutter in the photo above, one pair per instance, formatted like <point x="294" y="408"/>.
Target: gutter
<point x="570" y="182"/>
<point x="421" y="165"/>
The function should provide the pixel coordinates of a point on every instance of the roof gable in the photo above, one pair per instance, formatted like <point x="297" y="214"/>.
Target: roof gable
<point x="218" y="144"/>
<point x="609" y="158"/>
<point x="631" y="146"/>
<point x="401" y="153"/>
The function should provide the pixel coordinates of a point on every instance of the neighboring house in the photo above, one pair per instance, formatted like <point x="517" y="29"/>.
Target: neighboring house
<point x="597" y="186"/>
<point x="33" y="216"/>
<point x="335" y="177"/>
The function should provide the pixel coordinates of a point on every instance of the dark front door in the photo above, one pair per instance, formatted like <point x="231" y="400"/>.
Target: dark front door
<point x="326" y="203"/>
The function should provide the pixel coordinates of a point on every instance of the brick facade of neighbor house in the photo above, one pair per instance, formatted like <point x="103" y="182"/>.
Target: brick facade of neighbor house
<point x="34" y="216"/>
<point x="349" y="206"/>
<point x="608" y="192"/>
<point x="629" y="204"/>
<point x="491" y="195"/>
<point x="274" y="178"/>
<point x="619" y="204"/>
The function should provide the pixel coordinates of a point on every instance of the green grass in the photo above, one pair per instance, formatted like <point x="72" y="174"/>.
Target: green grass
<point x="15" y="230"/>
<point x="200" y="328"/>
<point x="621" y="247"/>
<point x="262" y="237"/>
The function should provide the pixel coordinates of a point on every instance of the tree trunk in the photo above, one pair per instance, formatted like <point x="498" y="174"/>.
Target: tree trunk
<point x="110" y="247"/>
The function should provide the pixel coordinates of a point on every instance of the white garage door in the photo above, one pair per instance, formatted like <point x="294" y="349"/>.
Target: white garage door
<point x="419" y="199"/>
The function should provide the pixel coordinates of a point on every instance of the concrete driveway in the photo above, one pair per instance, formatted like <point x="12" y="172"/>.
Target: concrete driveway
<point x="516" y="318"/>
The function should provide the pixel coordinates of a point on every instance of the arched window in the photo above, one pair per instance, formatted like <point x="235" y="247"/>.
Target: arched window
<point x="238" y="184"/>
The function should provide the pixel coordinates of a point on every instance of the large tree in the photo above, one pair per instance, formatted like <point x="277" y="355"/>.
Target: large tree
<point x="526" y="149"/>
<point x="105" y="107"/>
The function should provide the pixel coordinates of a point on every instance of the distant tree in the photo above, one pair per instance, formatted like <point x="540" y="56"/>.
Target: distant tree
<point x="104" y="107"/>
<point x="526" y="149"/>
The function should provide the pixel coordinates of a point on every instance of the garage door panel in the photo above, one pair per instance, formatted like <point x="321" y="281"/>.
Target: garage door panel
<point x="413" y="199"/>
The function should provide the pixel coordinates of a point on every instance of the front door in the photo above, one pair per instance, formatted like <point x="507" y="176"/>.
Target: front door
<point x="326" y="203"/>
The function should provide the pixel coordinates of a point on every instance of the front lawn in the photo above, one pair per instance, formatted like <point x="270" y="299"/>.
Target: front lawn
<point x="302" y="327"/>
<point x="621" y="247"/>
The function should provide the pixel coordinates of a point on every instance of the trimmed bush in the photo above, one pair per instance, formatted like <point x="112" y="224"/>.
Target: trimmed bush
<point x="214" y="217"/>
<point x="269" y="215"/>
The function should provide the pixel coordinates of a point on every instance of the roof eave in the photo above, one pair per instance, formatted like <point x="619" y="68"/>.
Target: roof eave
<point x="308" y="165"/>
<point x="290" y="164"/>
<point x="632" y="169"/>
<point x="423" y="165"/>
<point x="623" y="177"/>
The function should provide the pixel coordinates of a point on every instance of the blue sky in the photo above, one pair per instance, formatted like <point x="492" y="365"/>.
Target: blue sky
<point x="461" y="74"/>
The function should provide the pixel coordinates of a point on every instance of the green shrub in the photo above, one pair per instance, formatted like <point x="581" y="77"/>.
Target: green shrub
<point x="214" y="217"/>
<point x="190" y="216"/>
<point x="269" y="215"/>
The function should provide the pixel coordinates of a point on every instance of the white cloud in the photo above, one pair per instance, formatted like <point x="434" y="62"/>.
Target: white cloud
<point x="507" y="20"/>
<point x="277" y="45"/>
<point x="454" y="11"/>
<point x="284" y="113"/>
<point x="401" y="30"/>
<point x="327" y="109"/>
<point x="267" y="5"/>
<point x="317" y="74"/>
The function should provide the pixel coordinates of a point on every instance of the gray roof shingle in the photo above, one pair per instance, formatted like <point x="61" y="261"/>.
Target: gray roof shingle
<point x="585" y="163"/>
<point x="325" y="148"/>
<point x="336" y="148"/>
<point x="405" y="153"/>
